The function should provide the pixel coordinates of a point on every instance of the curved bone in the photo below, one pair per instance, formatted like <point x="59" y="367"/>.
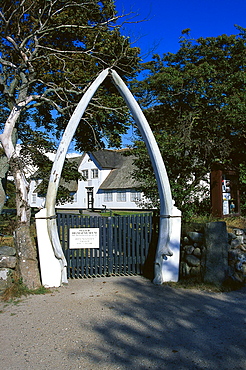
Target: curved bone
<point x="163" y="248"/>
<point x="57" y="169"/>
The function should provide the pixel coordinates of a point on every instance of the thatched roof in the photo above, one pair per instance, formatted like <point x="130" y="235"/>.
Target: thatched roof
<point x="108" y="159"/>
<point x="121" y="176"/>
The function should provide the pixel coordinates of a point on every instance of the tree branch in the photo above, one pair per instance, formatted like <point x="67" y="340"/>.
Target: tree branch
<point x="7" y="63"/>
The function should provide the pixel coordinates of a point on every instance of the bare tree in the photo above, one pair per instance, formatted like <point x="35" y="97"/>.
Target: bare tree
<point x="49" y="52"/>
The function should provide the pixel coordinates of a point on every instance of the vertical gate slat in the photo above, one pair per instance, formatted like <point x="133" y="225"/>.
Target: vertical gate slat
<point x="142" y="225"/>
<point x="96" y="250"/>
<point x="83" y="263"/>
<point x="133" y="244"/>
<point x="116" y="245"/>
<point x="78" y="251"/>
<point x="66" y="229"/>
<point x="90" y="251"/>
<point x="86" y="269"/>
<point x="120" y="259"/>
<point x="129" y="254"/>
<point x="93" y="250"/>
<point x="73" y="251"/>
<point x="124" y="240"/>
<point x="66" y="221"/>
<point x="99" y="260"/>
<point x="145" y="237"/>
<point x="110" y="246"/>
<point x="104" y="246"/>
<point x="148" y="233"/>
<point x="137" y="233"/>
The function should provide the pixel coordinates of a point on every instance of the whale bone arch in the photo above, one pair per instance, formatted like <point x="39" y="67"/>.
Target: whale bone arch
<point x="163" y="246"/>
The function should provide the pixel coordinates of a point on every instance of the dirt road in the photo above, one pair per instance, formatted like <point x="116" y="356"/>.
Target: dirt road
<point x="124" y="323"/>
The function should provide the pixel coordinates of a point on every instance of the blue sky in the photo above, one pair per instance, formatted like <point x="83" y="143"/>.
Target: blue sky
<point x="165" y="19"/>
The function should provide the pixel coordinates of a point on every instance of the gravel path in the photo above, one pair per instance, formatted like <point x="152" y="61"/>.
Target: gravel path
<point x="124" y="323"/>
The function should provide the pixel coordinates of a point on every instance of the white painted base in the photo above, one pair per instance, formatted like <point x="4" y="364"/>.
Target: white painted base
<point x="170" y="266"/>
<point x="49" y="265"/>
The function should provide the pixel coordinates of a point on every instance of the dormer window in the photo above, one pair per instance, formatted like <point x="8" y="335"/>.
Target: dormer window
<point x="94" y="173"/>
<point x="85" y="174"/>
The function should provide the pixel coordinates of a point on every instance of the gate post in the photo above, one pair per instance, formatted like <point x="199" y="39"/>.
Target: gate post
<point x="49" y="265"/>
<point x="170" y="266"/>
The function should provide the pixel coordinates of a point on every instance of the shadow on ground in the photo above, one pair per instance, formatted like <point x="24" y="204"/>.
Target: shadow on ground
<point x="157" y="327"/>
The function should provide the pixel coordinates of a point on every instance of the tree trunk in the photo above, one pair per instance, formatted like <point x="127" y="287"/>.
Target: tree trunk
<point x="27" y="263"/>
<point x="3" y="174"/>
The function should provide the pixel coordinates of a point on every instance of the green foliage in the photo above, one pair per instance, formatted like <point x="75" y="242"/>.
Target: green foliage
<point x="51" y="51"/>
<point x="11" y="194"/>
<point x="195" y="102"/>
<point x="242" y="180"/>
<point x="8" y="224"/>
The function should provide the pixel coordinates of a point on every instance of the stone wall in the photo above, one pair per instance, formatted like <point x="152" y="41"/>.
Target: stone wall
<point x="211" y="254"/>
<point x="7" y="266"/>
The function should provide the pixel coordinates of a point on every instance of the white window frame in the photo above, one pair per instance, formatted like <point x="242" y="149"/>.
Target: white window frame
<point x="94" y="173"/>
<point x="85" y="174"/>
<point x="108" y="196"/>
<point x="136" y="196"/>
<point x="121" y="196"/>
<point x="34" y="198"/>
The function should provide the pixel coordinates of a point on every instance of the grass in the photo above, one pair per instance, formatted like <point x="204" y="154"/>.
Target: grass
<point x="17" y="290"/>
<point x="235" y="223"/>
<point x="231" y="222"/>
<point x="192" y="284"/>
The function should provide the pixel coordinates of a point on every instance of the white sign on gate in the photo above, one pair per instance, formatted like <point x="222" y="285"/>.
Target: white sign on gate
<point x="84" y="238"/>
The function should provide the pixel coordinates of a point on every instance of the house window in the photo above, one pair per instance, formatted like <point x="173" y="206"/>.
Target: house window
<point x="121" y="196"/>
<point x="135" y="196"/>
<point x="85" y="174"/>
<point x="108" y="196"/>
<point x="94" y="173"/>
<point x="34" y="197"/>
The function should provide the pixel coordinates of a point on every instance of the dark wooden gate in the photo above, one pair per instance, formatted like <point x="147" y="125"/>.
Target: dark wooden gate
<point x="123" y="244"/>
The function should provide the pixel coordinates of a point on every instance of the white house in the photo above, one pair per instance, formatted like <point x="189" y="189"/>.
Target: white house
<point x="107" y="183"/>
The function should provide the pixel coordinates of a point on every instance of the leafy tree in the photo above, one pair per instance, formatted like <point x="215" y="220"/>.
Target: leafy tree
<point x="50" y="50"/>
<point x="195" y="102"/>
